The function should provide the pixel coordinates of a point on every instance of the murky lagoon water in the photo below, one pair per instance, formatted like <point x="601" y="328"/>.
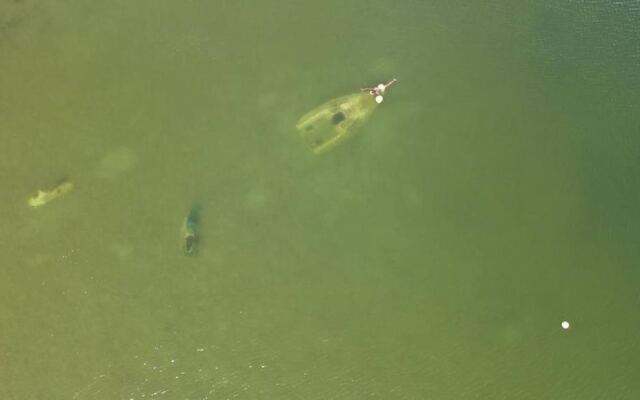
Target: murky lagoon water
<point x="493" y="195"/>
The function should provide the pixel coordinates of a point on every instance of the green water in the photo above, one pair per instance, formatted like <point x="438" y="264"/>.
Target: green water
<point x="492" y="195"/>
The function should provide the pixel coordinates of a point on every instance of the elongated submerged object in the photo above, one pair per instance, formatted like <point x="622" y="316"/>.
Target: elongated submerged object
<point x="333" y="122"/>
<point x="190" y="234"/>
<point x="42" y="197"/>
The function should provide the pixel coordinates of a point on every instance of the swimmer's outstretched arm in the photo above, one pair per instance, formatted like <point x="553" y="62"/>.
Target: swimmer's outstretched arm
<point x="391" y="82"/>
<point x="380" y="88"/>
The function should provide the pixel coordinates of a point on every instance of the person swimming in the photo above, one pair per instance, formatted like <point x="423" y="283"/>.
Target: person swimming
<point x="379" y="90"/>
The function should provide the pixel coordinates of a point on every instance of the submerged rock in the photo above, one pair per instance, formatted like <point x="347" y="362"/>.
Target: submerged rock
<point x="43" y="197"/>
<point x="190" y="234"/>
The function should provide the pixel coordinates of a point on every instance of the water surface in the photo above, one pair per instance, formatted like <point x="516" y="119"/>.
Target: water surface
<point x="492" y="196"/>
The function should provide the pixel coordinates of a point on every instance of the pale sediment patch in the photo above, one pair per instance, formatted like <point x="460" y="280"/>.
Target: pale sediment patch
<point x="257" y="198"/>
<point x="116" y="162"/>
<point x="123" y="251"/>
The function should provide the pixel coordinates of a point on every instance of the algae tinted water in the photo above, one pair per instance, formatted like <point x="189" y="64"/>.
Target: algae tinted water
<point x="433" y="255"/>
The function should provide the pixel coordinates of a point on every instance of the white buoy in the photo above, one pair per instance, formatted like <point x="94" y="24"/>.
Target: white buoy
<point x="565" y="325"/>
<point x="379" y="99"/>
